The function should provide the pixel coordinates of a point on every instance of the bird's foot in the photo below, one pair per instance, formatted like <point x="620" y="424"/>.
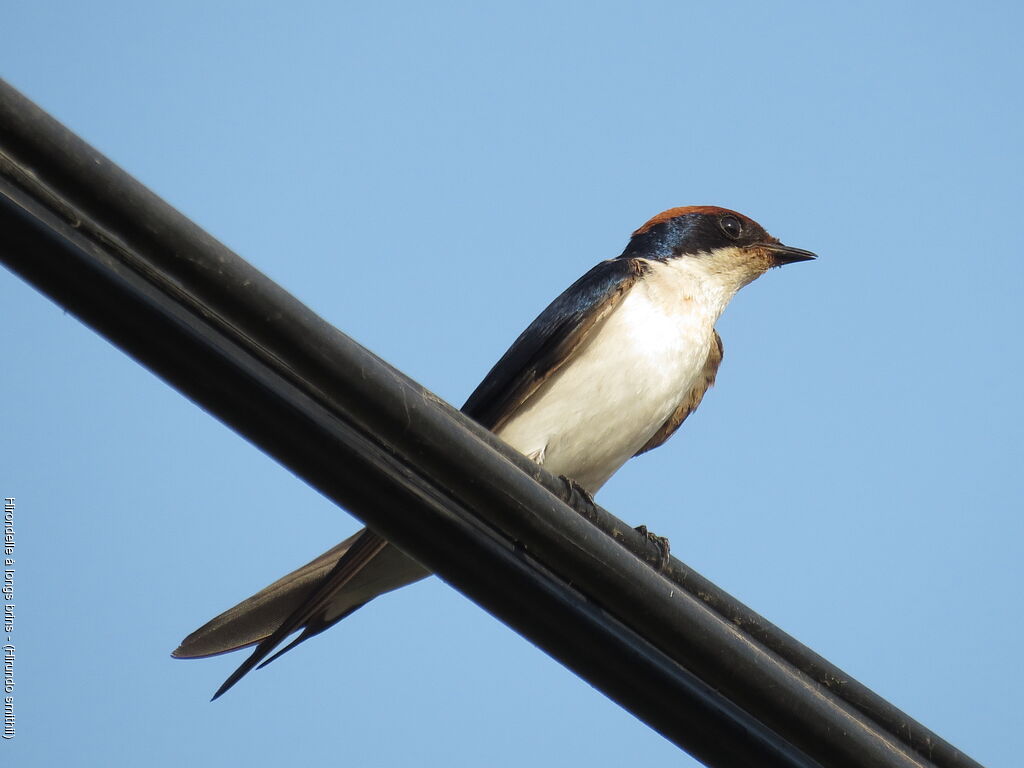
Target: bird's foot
<point x="576" y="496"/>
<point x="661" y="542"/>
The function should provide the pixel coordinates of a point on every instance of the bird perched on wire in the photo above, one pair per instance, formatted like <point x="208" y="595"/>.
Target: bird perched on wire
<point x="609" y="370"/>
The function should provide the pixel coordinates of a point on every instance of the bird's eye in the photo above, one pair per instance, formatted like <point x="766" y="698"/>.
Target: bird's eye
<point x="731" y="226"/>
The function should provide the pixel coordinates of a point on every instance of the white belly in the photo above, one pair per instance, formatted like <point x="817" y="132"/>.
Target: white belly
<point x="623" y="383"/>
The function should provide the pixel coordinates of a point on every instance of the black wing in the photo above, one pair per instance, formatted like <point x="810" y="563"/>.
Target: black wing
<point x="550" y="340"/>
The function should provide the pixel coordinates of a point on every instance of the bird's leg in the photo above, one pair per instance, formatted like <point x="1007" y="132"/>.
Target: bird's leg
<point x="661" y="542"/>
<point x="581" y="500"/>
<point x="576" y="496"/>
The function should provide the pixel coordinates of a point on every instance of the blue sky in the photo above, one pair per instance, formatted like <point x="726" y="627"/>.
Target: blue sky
<point x="427" y="177"/>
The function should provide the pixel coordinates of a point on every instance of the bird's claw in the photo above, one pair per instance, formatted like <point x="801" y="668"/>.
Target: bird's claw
<point x="661" y="542"/>
<point x="575" y="495"/>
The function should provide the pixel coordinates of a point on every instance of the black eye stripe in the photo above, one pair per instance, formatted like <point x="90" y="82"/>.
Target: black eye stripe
<point x="731" y="227"/>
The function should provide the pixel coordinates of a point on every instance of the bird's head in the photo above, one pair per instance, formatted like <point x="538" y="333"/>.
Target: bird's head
<point x="721" y="243"/>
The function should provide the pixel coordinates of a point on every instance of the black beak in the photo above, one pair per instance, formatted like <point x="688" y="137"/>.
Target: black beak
<point x="785" y="254"/>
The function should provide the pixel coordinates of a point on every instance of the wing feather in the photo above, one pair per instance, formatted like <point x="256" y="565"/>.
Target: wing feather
<point x="550" y="340"/>
<point x="256" y="618"/>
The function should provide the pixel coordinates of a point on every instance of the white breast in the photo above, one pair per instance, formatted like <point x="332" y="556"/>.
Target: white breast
<point x="626" y="379"/>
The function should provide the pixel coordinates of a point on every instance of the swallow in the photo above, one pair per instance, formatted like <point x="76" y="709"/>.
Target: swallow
<point x="610" y="370"/>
